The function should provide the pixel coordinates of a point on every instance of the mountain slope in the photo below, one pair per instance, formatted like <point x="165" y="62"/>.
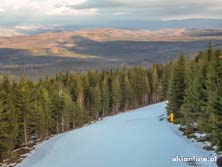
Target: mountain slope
<point x="123" y="140"/>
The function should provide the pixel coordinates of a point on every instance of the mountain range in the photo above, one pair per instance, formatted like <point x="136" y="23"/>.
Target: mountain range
<point x="38" y="54"/>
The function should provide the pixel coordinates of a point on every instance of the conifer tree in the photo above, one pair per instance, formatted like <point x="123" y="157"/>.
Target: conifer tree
<point x="105" y="94"/>
<point x="115" y="94"/>
<point x="127" y="93"/>
<point x="155" y="83"/>
<point x="56" y="109"/>
<point x="24" y="103"/>
<point x="214" y="84"/>
<point x="8" y="119"/>
<point x="203" y="119"/>
<point x="193" y="95"/>
<point x="95" y="101"/>
<point x="165" y="80"/>
<point x="176" y="90"/>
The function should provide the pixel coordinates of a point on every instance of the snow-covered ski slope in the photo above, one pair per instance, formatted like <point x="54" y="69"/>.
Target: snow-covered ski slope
<point x="134" y="139"/>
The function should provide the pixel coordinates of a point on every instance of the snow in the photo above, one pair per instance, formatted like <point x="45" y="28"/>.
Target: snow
<point x="199" y="135"/>
<point x="134" y="139"/>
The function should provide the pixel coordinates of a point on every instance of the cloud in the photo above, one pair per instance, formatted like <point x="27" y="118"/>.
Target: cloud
<point x="156" y="9"/>
<point x="99" y="4"/>
<point x="64" y="10"/>
<point x="41" y="7"/>
<point x="60" y="11"/>
<point x="2" y="10"/>
<point x="120" y="13"/>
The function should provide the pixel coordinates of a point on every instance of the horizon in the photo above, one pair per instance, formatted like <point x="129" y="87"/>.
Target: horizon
<point x="152" y="25"/>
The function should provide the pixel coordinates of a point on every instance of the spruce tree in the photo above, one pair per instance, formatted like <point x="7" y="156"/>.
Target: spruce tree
<point x="127" y="93"/>
<point x="24" y="103"/>
<point x="155" y="83"/>
<point x="115" y="94"/>
<point x="214" y="108"/>
<point x="203" y="119"/>
<point x="176" y="90"/>
<point x="105" y="94"/>
<point x="95" y="101"/>
<point x="57" y="109"/>
<point x="8" y="119"/>
<point x="193" y="95"/>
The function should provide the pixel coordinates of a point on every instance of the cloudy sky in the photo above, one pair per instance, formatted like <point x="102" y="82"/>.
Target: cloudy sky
<point x="60" y="12"/>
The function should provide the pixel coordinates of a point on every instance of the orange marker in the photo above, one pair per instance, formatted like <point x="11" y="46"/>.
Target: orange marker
<point x="171" y="117"/>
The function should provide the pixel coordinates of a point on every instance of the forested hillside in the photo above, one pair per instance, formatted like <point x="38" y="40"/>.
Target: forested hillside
<point x="31" y="112"/>
<point x="195" y="95"/>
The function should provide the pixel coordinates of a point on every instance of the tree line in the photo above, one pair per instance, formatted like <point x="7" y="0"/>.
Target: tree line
<point x="195" y="94"/>
<point x="33" y="111"/>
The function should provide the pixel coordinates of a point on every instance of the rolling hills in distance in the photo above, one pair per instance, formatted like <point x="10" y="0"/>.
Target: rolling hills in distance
<point x="47" y="53"/>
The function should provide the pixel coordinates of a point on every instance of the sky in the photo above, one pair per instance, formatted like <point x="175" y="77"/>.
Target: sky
<point x="64" y="12"/>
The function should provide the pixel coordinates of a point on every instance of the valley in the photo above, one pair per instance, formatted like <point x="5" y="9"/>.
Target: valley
<point x="49" y="53"/>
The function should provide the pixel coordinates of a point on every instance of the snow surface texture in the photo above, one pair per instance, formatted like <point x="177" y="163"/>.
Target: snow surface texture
<point x="134" y="139"/>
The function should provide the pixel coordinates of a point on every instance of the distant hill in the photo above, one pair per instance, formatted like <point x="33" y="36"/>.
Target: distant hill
<point x="8" y="32"/>
<point x="81" y="50"/>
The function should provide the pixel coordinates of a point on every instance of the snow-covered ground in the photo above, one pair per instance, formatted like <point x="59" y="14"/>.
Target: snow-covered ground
<point x="134" y="139"/>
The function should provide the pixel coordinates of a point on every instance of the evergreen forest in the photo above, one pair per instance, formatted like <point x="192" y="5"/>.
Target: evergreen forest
<point x="34" y="111"/>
